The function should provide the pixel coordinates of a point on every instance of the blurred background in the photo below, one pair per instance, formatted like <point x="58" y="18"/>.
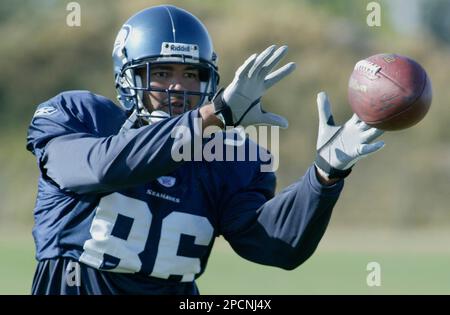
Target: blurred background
<point x="394" y="209"/>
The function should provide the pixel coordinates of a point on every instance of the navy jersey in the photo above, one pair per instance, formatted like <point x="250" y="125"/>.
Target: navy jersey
<point x="137" y="221"/>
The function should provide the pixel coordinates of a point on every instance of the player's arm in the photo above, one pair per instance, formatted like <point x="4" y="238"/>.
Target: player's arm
<point x="209" y="118"/>
<point x="76" y="140"/>
<point x="282" y="231"/>
<point x="285" y="230"/>
<point x="82" y="162"/>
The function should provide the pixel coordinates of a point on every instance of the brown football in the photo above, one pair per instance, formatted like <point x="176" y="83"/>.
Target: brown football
<point x="389" y="91"/>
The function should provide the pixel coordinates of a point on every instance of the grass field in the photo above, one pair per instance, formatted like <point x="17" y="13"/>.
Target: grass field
<point x="412" y="262"/>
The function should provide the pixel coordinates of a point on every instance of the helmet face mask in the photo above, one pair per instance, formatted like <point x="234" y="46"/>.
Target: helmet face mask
<point x="143" y="85"/>
<point x="162" y="35"/>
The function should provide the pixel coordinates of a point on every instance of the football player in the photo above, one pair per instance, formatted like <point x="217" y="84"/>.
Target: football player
<point x="116" y="214"/>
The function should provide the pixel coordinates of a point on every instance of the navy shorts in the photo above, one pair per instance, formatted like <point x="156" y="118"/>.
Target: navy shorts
<point x="69" y="277"/>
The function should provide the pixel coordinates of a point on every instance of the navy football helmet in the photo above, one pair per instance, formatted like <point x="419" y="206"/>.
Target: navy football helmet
<point x="158" y="35"/>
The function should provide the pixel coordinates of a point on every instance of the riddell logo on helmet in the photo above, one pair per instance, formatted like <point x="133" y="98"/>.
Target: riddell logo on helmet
<point x="190" y="50"/>
<point x="184" y="48"/>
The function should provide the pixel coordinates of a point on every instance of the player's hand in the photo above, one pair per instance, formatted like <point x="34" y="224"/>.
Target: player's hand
<point x="340" y="147"/>
<point x="240" y="101"/>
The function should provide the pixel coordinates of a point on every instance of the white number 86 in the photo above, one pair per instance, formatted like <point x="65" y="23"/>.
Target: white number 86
<point x="105" y="239"/>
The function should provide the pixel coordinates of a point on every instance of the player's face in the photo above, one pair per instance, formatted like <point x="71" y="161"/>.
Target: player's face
<point x="177" y="77"/>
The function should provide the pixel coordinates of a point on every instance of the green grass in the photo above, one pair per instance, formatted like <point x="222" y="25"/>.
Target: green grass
<point x="329" y="272"/>
<point x="16" y="262"/>
<point x="338" y="267"/>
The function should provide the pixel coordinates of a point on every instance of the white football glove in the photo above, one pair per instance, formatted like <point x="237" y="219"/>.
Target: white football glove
<point x="239" y="104"/>
<point x="340" y="147"/>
